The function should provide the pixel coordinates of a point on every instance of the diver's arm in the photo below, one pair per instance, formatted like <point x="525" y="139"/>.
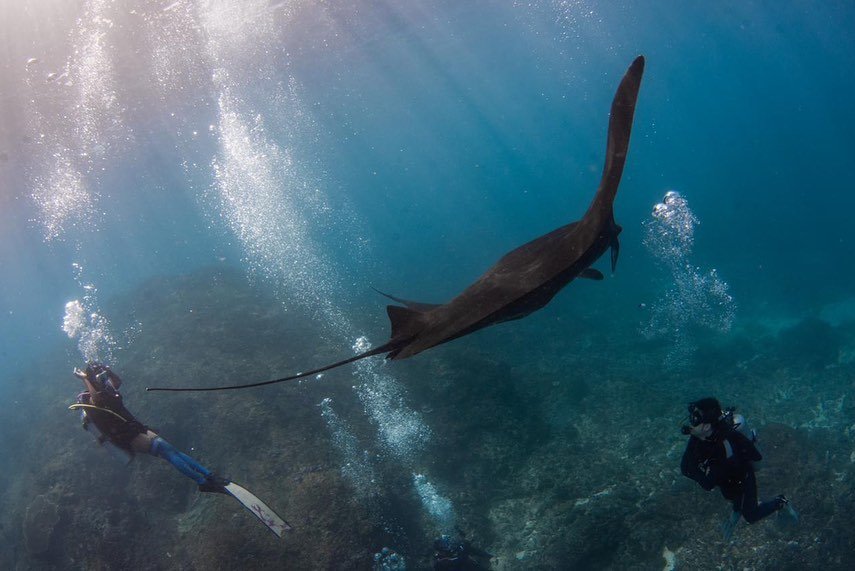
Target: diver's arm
<point x="96" y="395"/>
<point x="690" y="466"/>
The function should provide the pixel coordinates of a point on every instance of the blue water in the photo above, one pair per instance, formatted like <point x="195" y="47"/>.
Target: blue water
<point x="321" y="149"/>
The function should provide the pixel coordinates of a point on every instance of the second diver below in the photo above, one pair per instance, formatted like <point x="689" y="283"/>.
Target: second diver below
<point x="720" y="454"/>
<point x="102" y="408"/>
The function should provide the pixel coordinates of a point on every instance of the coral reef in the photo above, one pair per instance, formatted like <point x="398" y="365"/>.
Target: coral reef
<point x="40" y="521"/>
<point x="563" y="456"/>
<point x="811" y="343"/>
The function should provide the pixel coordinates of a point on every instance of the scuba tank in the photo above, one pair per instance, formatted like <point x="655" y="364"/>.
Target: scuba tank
<point x="736" y="423"/>
<point x="741" y="425"/>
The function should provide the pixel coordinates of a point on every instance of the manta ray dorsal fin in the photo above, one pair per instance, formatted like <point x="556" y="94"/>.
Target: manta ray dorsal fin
<point x="591" y="274"/>
<point x="405" y="322"/>
<point x="417" y="305"/>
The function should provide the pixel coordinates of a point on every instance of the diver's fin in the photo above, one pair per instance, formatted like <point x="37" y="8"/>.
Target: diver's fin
<point x="591" y="274"/>
<point x="417" y="305"/>
<point x="789" y="511"/>
<point x="729" y="525"/>
<point x="258" y="508"/>
<point x="214" y="485"/>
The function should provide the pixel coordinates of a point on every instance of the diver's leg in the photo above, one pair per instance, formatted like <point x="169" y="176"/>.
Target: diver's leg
<point x="168" y="452"/>
<point x="194" y="464"/>
<point x="751" y="511"/>
<point x="762" y="510"/>
<point x="143" y="442"/>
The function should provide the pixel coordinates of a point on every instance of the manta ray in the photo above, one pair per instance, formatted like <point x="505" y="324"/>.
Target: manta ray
<point x="523" y="280"/>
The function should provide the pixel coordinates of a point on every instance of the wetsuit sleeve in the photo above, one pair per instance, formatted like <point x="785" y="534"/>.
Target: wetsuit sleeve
<point x="690" y="467"/>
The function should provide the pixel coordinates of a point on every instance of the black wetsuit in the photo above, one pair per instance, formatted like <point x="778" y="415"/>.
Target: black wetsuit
<point x="727" y="462"/>
<point x="455" y="556"/>
<point x="119" y="432"/>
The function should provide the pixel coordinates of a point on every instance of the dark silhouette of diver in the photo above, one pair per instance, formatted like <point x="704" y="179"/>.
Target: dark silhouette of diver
<point x="102" y="407"/>
<point x="720" y="453"/>
<point x="455" y="554"/>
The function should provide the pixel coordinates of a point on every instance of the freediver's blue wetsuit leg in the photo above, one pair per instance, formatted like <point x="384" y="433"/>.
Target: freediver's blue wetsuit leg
<point x="182" y="462"/>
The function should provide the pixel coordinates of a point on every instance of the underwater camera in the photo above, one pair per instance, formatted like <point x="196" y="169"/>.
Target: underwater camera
<point x="725" y="421"/>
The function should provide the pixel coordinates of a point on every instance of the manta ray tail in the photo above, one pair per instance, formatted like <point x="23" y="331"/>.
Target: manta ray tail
<point x="406" y="323"/>
<point x="381" y="349"/>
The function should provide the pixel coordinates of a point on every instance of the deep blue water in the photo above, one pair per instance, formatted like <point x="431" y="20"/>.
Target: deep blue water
<point x="320" y="149"/>
<point x="480" y="126"/>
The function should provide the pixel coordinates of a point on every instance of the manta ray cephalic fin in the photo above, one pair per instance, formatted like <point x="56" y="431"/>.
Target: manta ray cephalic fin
<point x="591" y="274"/>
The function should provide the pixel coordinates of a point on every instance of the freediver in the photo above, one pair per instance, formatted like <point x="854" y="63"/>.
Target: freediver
<point x="105" y="416"/>
<point x="720" y="453"/>
<point x="103" y="407"/>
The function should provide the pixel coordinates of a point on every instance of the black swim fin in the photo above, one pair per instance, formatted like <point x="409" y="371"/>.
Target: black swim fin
<point x="214" y="485"/>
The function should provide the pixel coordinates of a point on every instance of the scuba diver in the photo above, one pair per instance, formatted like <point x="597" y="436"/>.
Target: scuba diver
<point x="455" y="554"/>
<point x="103" y="413"/>
<point x="720" y="453"/>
